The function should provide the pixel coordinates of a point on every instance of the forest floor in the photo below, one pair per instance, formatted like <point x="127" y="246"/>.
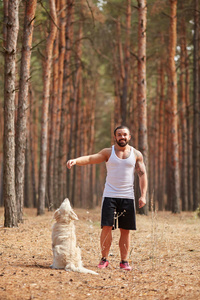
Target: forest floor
<point x="164" y="254"/>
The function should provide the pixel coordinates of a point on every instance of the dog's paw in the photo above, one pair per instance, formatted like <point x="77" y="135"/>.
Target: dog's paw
<point x="68" y="270"/>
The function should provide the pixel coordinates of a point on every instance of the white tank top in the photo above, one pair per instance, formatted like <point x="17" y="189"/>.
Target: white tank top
<point x="120" y="176"/>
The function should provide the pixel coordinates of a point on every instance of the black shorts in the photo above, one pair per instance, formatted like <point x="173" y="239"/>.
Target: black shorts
<point x="118" y="212"/>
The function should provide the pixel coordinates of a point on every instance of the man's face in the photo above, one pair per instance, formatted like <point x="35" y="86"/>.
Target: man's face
<point x="122" y="137"/>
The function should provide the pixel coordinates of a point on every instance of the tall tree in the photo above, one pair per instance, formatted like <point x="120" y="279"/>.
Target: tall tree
<point x="174" y="153"/>
<point x="189" y="128"/>
<point x="61" y="129"/>
<point x="196" y="108"/>
<point x="184" y="167"/>
<point x="77" y="96"/>
<point x="52" y="176"/>
<point x="32" y="152"/>
<point x="141" y="96"/>
<point x="21" y="129"/>
<point x="12" y="12"/>
<point x="161" y="140"/>
<point x="45" y="108"/>
<point x="68" y="84"/>
<point x="126" y="64"/>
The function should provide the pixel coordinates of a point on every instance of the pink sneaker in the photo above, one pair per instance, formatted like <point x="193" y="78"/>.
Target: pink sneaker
<point x="125" y="265"/>
<point x="103" y="263"/>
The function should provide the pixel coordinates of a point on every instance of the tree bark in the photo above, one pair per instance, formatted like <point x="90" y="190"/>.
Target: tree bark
<point x="45" y="109"/>
<point x="68" y="86"/>
<point x="133" y="122"/>
<point x="9" y="114"/>
<point x="196" y="109"/>
<point x="184" y="167"/>
<point x="33" y="157"/>
<point x="142" y="101"/>
<point x="189" y="130"/>
<point x="21" y="128"/>
<point x="156" y="138"/>
<point x="126" y="64"/>
<point x="77" y="99"/>
<point x="120" y="76"/>
<point x="52" y="176"/>
<point x="61" y="129"/>
<point x="174" y="161"/>
<point x="161" y="150"/>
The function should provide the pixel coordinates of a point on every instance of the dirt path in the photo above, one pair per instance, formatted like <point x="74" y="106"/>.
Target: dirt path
<point x="165" y="255"/>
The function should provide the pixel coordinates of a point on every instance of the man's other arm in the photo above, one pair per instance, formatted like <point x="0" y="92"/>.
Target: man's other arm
<point x="143" y="182"/>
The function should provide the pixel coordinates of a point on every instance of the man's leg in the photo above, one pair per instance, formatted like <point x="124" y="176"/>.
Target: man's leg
<point x="106" y="240"/>
<point x="124" y="243"/>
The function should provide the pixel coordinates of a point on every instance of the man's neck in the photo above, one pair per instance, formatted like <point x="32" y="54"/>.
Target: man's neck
<point x="118" y="148"/>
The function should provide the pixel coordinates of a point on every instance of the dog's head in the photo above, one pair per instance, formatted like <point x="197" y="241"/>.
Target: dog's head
<point x="65" y="213"/>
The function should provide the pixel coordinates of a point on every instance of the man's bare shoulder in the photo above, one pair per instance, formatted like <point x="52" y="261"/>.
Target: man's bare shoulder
<point x="138" y="154"/>
<point x="106" y="152"/>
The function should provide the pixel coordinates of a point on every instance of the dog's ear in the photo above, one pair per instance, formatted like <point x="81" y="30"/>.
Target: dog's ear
<point x="73" y="216"/>
<point x="57" y="214"/>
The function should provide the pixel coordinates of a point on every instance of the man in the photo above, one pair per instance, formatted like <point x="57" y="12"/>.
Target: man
<point x="118" y="198"/>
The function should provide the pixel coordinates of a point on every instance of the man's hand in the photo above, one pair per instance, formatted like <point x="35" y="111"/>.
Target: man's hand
<point x="71" y="163"/>
<point x="142" y="202"/>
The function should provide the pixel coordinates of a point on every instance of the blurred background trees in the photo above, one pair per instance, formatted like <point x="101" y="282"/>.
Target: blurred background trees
<point x="95" y="65"/>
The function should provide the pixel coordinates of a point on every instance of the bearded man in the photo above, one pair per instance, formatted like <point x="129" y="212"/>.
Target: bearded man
<point x="118" y="203"/>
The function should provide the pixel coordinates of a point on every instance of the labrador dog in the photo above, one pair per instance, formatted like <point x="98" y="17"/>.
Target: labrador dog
<point x="66" y="255"/>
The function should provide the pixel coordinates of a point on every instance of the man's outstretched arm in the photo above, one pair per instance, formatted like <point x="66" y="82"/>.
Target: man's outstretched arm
<point x="89" y="159"/>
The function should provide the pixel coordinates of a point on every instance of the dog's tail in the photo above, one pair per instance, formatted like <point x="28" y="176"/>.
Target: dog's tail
<point x="87" y="271"/>
<point x="80" y="269"/>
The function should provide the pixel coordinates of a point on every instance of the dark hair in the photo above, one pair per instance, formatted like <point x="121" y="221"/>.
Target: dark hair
<point x="121" y="127"/>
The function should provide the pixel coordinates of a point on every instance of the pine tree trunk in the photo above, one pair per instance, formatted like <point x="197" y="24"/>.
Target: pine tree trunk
<point x="116" y="76"/>
<point x="45" y="110"/>
<point x="133" y="123"/>
<point x="156" y="136"/>
<point x="196" y="109"/>
<point x="83" y="135"/>
<point x="9" y="115"/>
<point x="77" y="99"/>
<point x="28" y="187"/>
<point x="174" y="160"/>
<point x="184" y="167"/>
<point x="52" y="175"/>
<point x="21" y="128"/>
<point x="189" y="130"/>
<point x="126" y="64"/>
<point x="161" y="150"/>
<point x="91" y="143"/>
<point x="120" y="76"/>
<point x="168" y="143"/>
<point x="61" y="124"/>
<point x="142" y="101"/>
<point x="32" y="152"/>
<point x="151" y="148"/>
<point x="68" y="87"/>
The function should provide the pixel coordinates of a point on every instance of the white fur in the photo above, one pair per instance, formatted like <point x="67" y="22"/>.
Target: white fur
<point x="66" y="255"/>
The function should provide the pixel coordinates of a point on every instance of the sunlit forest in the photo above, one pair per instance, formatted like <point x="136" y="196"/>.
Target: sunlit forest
<point x="71" y="71"/>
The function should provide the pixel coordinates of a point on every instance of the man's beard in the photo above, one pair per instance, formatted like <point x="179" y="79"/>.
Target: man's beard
<point x="122" y="143"/>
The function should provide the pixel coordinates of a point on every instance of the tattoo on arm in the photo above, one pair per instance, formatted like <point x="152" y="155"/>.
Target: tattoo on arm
<point x="139" y="167"/>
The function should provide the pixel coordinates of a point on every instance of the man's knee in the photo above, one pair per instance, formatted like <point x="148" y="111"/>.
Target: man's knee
<point x="124" y="231"/>
<point x="107" y="228"/>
